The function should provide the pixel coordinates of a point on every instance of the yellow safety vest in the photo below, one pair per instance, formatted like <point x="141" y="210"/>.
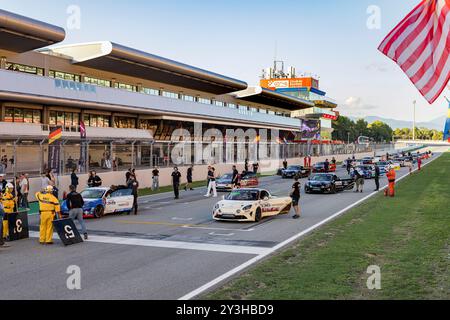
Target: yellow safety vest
<point x="8" y="202"/>
<point x="47" y="202"/>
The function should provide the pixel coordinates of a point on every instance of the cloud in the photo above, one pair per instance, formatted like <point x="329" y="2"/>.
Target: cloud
<point x="357" y="103"/>
<point x="355" y="106"/>
<point x="377" y="67"/>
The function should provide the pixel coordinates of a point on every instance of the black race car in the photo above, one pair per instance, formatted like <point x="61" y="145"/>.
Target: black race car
<point x="295" y="171"/>
<point x="328" y="183"/>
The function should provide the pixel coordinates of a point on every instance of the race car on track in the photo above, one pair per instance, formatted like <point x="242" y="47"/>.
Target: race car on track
<point x="102" y="201"/>
<point x="224" y="182"/>
<point x="328" y="183"/>
<point x="247" y="205"/>
<point x="295" y="171"/>
<point x="248" y="180"/>
<point x="320" y="167"/>
<point x="395" y="165"/>
<point x="367" y="171"/>
<point x="384" y="166"/>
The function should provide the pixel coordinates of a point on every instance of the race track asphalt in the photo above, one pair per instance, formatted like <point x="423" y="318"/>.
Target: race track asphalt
<point x="170" y="249"/>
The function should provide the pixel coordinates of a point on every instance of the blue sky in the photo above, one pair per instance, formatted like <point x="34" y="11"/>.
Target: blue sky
<point x="238" y="38"/>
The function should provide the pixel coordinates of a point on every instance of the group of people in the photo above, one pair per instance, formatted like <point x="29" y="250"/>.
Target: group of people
<point x="14" y="197"/>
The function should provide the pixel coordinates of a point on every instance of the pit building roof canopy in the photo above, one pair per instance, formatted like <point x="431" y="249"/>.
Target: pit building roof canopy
<point x="269" y="97"/>
<point x="22" y="34"/>
<point x="112" y="57"/>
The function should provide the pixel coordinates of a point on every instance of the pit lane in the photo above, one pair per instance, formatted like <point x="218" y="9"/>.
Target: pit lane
<point x="169" y="250"/>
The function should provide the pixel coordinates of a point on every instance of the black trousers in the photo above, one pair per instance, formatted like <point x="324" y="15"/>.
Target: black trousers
<point x="176" y="190"/>
<point x="377" y="183"/>
<point x="135" y="203"/>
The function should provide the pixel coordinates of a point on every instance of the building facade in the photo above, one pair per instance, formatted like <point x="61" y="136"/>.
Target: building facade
<point x="320" y="115"/>
<point x="130" y="101"/>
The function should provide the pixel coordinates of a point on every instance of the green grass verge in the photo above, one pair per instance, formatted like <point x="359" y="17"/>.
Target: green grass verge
<point x="408" y="237"/>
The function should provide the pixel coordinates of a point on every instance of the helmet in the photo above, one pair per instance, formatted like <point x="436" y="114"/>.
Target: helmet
<point x="9" y="186"/>
<point x="49" y="188"/>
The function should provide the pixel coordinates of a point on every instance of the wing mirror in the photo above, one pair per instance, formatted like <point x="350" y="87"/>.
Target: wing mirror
<point x="266" y="198"/>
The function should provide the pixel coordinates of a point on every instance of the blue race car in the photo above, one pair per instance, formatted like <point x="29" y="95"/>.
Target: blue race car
<point x="102" y="201"/>
<point x="368" y="172"/>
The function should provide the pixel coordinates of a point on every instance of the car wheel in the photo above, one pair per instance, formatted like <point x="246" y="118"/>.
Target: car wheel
<point x="287" y="209"/>
<point x="258" y="215"/>
<point x="99" y="212"/>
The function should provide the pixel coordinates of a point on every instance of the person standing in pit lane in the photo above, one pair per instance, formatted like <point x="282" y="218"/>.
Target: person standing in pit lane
<point x="377" y="177"/>
<point x="235" y="178"/>
<point x="212" y="183"/>
<point x="189" y="175"/>
<point x="133" y="184"/>
<point x="295" y="195"/>
<point x="176" y="178"/>
<point x="2" y="242"/>
<point x="327" y="166"/>
<point x="75" y="205"/>
<point x="155" y="179"/>
<point x="359" y="179"/>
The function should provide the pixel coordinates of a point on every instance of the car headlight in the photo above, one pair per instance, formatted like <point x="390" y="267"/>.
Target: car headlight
<point x="216" y="207"/>
<point x="246" y="208"/>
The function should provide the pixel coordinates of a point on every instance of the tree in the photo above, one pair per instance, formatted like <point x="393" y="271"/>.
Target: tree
<point x="380" y="131"/>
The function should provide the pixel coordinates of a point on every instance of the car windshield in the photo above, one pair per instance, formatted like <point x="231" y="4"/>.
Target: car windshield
<point x="226" y="177"/>
<point x="382" y="163"/>
<point x="92" y="194"/>
<point x="322" y="177"/>
<point x="320" y="164"/>
<point x="293" y="168"/>
<point x="243" y="195"/>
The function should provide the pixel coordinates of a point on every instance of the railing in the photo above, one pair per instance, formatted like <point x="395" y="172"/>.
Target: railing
<point x="115" y="156"/>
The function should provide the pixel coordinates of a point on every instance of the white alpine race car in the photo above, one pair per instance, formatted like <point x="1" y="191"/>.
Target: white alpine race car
<point x="243" y="205"/>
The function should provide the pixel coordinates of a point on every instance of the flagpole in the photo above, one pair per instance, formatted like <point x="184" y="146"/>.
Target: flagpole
<point x="414" y="121"/>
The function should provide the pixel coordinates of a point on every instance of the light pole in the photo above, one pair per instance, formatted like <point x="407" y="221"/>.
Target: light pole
<point x="414" y="121"/>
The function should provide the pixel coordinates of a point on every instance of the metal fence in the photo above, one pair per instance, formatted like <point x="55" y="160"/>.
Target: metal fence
<point x="33" y="158"/>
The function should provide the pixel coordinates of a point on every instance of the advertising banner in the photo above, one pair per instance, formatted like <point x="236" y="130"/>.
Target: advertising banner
<point x="310" y="129"/>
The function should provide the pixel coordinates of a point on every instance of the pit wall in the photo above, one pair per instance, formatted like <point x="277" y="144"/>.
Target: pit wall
<point x="199" y="174"/>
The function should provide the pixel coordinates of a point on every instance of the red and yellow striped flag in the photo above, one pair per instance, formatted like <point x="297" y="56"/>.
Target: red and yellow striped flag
<point x="55" y="134"/>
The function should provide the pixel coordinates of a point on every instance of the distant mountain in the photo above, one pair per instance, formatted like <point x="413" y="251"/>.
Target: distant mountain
<point x="437" y="124"/>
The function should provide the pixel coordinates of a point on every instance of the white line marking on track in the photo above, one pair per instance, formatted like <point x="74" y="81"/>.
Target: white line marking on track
<point x="283" y="244"/>
<point x="221" y="234"/>
<point x="182" y="219"/>
<point x="218" y="229"/>
<point x="172" y="244"/>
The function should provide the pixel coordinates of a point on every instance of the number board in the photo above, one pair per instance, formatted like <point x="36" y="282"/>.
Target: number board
<point x="67" y="231"/>
<point x="18" y="226"/>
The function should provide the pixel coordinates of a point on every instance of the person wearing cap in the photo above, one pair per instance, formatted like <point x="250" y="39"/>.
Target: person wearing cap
<point x="8" y="202"/>
<point x="48" y="207"/>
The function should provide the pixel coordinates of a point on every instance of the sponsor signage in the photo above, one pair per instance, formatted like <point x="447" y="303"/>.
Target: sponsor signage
<point x="75" y="86"/>
<point x="67" y="231"/>
<point x="274" y="84"/>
